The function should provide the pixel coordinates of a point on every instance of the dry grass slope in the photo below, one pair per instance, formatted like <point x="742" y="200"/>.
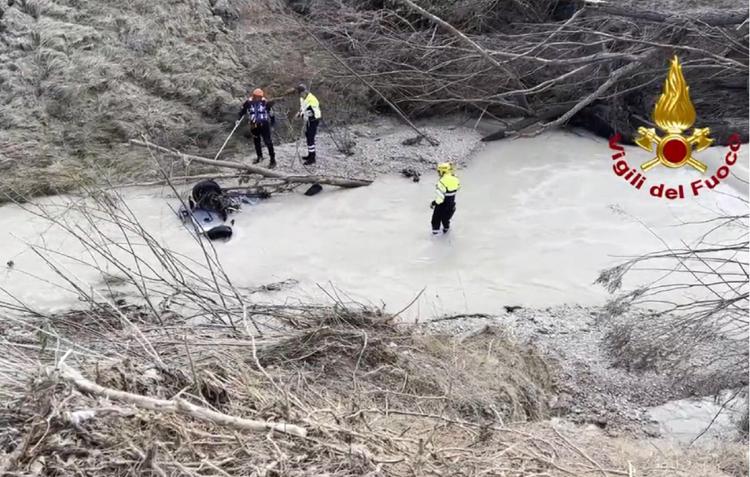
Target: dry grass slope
<point x="80" y="78"/>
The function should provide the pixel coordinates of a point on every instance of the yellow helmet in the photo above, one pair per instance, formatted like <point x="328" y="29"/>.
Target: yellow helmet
<point x="444" y="167"/>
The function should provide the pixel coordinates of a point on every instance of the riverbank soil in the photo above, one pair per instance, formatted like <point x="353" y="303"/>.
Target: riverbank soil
<point x="80" y="79"/>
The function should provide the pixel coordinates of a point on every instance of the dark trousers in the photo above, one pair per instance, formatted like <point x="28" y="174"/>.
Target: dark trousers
<point x="263" y="130"/>
<point x="442" y="214"/>
<point x="311" y="129"/>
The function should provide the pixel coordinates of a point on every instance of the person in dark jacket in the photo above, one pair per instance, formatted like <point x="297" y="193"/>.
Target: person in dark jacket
<point x="260" y="116"/>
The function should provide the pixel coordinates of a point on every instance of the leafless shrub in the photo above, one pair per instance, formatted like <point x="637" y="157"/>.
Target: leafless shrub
<point x="691" y="323"/>
<point x="342" y="137"/>
<point x="343" y="113"/>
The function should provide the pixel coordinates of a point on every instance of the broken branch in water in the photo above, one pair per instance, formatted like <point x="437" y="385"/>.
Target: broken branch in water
<point x="174" y="180"/>
<point x="305" y="179"/>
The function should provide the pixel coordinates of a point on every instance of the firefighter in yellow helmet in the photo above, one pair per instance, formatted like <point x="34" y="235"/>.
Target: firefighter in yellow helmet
<point x="444" y="205"/>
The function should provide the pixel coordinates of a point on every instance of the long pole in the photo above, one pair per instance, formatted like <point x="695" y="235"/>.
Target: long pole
<point x="290" y="178"/>
<point x="236" y="124"/>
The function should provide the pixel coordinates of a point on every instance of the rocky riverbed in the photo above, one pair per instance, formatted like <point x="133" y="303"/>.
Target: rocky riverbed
<point x="380" y="146"/>
<point x="591" y="388"/>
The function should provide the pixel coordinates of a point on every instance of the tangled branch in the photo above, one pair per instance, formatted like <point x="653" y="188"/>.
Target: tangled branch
<point x="552" y="63"/>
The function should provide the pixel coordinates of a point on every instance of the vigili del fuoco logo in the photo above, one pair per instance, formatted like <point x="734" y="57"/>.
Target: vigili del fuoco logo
<point x="674" y="114"/>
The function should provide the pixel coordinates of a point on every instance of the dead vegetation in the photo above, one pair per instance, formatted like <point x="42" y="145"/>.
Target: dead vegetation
<point x="341" y="392"/>
<point x="80" y="79"/>
<point x="599" y="65"/>
<point x="701" y="299"/>
<point x="354" y="394"/>
<point x="698" y="306"/>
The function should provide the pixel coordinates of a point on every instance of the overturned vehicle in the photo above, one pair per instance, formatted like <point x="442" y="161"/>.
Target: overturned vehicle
<point x="208" y="208"/>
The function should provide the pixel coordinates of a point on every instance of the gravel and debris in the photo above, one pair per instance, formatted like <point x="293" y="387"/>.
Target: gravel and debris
<point x="590" y="389"/>
<point x="378" y="148"/>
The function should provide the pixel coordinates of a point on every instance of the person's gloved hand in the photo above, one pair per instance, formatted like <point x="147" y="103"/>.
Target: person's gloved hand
<point x="432" y="204"/>
<point x="237" y="123"/>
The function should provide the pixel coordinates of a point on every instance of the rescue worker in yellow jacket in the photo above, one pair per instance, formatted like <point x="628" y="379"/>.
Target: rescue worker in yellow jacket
<point x="444" y="205"/>
<point x="309" y="109"/>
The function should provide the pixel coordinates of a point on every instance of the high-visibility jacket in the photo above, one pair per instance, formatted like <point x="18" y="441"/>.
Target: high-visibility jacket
<point x="446" y="188"/>
<point x="309" y="106"/>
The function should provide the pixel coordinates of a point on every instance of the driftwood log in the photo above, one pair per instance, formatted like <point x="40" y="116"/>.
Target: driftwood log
<point x="253" y="169"/>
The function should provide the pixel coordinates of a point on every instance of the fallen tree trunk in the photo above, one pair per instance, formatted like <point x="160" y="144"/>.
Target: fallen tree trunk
<point x="524" y="123"/>
<point x="253" y="169"/>
<point x="613" y="78"/>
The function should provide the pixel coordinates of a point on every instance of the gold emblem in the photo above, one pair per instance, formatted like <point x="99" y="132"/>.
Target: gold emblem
<point x="674" y="113"/>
